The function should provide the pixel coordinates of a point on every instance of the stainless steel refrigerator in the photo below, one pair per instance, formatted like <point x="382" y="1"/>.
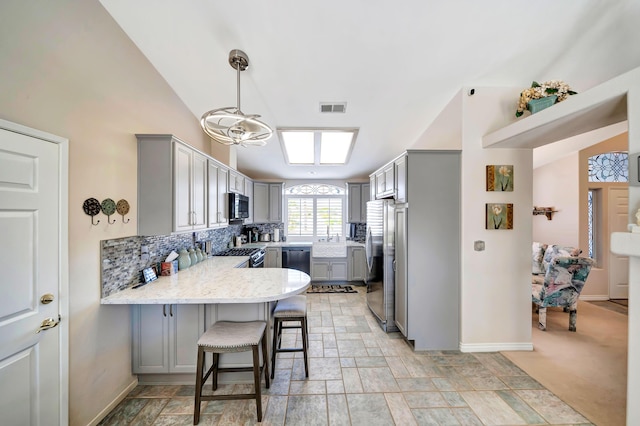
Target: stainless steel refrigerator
<point x="380" y="253"/>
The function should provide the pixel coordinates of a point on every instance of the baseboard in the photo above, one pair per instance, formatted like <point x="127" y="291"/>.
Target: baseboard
<point x="495" y="347"/>
<point x="109" y="408"/>
<point x="594" y="297"/>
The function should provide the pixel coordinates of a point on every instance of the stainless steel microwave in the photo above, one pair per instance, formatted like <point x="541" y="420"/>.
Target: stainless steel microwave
<point x="238" y="206"/>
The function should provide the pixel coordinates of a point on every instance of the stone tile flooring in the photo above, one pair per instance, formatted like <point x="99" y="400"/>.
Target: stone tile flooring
<point x="362" y="376"/>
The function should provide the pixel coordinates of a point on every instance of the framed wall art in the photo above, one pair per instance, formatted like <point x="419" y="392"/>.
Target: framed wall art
<point x="500" y="178"/>
<point x="499" y="216"/>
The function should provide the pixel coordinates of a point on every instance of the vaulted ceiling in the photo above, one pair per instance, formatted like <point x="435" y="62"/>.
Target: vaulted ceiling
<point x="395" y="64"/>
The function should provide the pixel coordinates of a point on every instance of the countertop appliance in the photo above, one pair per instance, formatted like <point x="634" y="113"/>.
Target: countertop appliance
<point x="297" y="257"/>
<point x="256" y="255"/>
<point x="238" y="206"/>
<point x="380" y="254"/>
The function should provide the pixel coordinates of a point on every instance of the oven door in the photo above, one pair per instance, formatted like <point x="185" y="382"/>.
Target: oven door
<point x="257" y="261"/>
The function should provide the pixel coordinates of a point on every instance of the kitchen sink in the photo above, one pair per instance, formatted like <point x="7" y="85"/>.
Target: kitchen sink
<point x="325" y="249"/>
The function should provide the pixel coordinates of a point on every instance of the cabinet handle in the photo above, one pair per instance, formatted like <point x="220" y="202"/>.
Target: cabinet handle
<point x="164" y="310"/>
<point x="170" y="310"/>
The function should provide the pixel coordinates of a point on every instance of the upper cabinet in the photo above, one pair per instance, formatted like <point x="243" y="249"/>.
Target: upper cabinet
<point x="218" y="200"/>
<point x="172" y="186"/>
<point x="236" y="182"/>
<point x="390" y="181"/>
<point x="357" y="197"/>
<point x="248" y="191"/>
<point x="385" y="181"/>
<point x="182" y="189"/>
<point x="267" y="202"/>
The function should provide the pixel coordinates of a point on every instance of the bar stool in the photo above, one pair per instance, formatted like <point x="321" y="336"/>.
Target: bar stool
<point x="227" y="337"/>
<point x="291" y="309"/>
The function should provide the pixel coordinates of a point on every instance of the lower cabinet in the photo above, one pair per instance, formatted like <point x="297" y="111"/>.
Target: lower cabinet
<point x="329" y="269"/>
<point x="357" y="264"/>
<point x="165" y="338"/>
<point x="273" y="257"/>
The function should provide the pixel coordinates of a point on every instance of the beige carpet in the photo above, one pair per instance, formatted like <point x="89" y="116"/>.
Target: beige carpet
<point x="586" y="369"/>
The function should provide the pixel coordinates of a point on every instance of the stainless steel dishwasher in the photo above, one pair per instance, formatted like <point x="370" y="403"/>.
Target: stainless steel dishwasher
<point x="297" y="257"/>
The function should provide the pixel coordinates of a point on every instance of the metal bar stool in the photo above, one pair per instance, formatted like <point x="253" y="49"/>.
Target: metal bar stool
<point x="291" y="309"/>
<point x="226" y="337"/>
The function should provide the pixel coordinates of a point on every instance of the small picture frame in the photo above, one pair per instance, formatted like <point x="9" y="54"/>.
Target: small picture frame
<point x="499" y="216"/>
<point x="149" y="274"/>
<point x="500" y="178"/>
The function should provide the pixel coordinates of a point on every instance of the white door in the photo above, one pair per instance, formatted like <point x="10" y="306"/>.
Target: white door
<point x="618" y="265"/>
<point x="30" y="261"/>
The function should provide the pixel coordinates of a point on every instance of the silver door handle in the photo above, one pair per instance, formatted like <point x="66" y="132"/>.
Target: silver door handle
<point x="164" y="310"/>
<point x="171" y="310"/>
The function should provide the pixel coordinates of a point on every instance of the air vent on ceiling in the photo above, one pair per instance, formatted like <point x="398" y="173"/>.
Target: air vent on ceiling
<point x="333" y="107"/>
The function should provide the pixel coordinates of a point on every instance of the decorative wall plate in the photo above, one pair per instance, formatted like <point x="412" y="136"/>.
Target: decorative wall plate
<point x="92" y="207"/>
<point x="122" y="207"/>
<point x="108" y="206"/>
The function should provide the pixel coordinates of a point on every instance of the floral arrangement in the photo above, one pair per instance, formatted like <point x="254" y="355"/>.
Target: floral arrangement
<point x="549" y="88"/>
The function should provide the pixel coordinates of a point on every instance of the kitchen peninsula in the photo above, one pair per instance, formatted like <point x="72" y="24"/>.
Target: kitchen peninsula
<point x="171" y="313"/>
<point x="216" y="280"/>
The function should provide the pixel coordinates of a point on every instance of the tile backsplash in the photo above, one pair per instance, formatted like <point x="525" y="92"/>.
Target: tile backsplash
<point x="122" y="259"/>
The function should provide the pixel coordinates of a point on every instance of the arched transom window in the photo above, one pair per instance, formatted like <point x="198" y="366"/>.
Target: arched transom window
<point x="609" y="167"/>
<point x="314" y="211"/>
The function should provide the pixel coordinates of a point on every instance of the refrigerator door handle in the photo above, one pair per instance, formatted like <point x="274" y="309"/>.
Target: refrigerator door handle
<point x="369" y="249"/>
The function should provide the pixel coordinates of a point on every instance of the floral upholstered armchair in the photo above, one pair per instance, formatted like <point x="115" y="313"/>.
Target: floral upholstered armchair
<point x="558" y="278"/>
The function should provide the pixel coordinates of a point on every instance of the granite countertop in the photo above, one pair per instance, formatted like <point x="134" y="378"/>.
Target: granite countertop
<point x="216" y="280"/>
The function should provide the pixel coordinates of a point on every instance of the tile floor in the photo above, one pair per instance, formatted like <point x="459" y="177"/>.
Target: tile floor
<point x="362" y="376"/>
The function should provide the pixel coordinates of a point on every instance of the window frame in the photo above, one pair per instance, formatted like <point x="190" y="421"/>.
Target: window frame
<point x="315" y="197"/>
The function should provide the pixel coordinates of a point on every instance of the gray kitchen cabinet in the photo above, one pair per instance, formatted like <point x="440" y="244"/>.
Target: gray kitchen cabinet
<point x="400" y="263"/>
<point x="217" y="194"/>
<point x="236" y="182"/>
<point x="385" y="181"/>
<point x="427" y="251"/>
<point x="267" y="202"/>
<point x="357" y="197"/>
<point x="248" y="191"/>
<point x="329" y="269"/>
<point x="165" y="338"/>
<point x="223" y="196"/>
<point x="172" y="186"/>
<point x="273" y="257"/>
<point x="400" y="165"/>
<point x="357" y="263"/>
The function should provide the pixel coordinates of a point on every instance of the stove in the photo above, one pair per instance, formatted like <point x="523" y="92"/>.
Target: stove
<point x="237" y="251"/>
<point x="256" y="255"/>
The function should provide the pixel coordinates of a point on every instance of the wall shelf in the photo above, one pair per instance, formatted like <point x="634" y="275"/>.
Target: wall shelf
<point x="547" y="211"/>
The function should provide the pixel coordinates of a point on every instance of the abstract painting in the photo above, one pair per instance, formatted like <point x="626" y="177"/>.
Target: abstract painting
<point x="500" y="178"/>
<point x="499" y="216"/>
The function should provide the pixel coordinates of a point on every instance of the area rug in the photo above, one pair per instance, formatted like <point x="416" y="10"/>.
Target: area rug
<point x="316" y="288"/>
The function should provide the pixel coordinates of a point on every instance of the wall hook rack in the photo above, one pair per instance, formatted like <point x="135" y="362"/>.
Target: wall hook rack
<point x="109" y="208"/>
<point x="123" y="208"/>
<point x="92" y="207"/>
<point x="547" y="211"/>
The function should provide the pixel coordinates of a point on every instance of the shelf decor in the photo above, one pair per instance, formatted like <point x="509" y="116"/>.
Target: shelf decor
<point x="499" y="216"/>
<point x="547" y="211"/>
<point x="500" y="178"/>
<point x="540" y="96"/>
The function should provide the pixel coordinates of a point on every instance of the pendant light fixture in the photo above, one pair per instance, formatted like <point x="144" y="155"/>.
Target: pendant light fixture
<point x="230" y="126"/>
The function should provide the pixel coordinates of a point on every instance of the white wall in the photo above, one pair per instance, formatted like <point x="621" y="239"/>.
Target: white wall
<point x="496" y="283"/>
<point x="68" y="69"/>
<point x="557" y="185"/>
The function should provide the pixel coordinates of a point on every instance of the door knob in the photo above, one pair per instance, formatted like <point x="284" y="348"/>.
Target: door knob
<point x="46" y="298"/>
<point x="47" y="324"/>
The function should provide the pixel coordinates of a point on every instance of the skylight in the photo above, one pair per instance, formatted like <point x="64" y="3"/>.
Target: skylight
<point x="317" y="146"/>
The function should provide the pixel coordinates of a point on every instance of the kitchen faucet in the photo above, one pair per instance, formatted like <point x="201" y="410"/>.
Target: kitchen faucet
<point x="328" y="236"/>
